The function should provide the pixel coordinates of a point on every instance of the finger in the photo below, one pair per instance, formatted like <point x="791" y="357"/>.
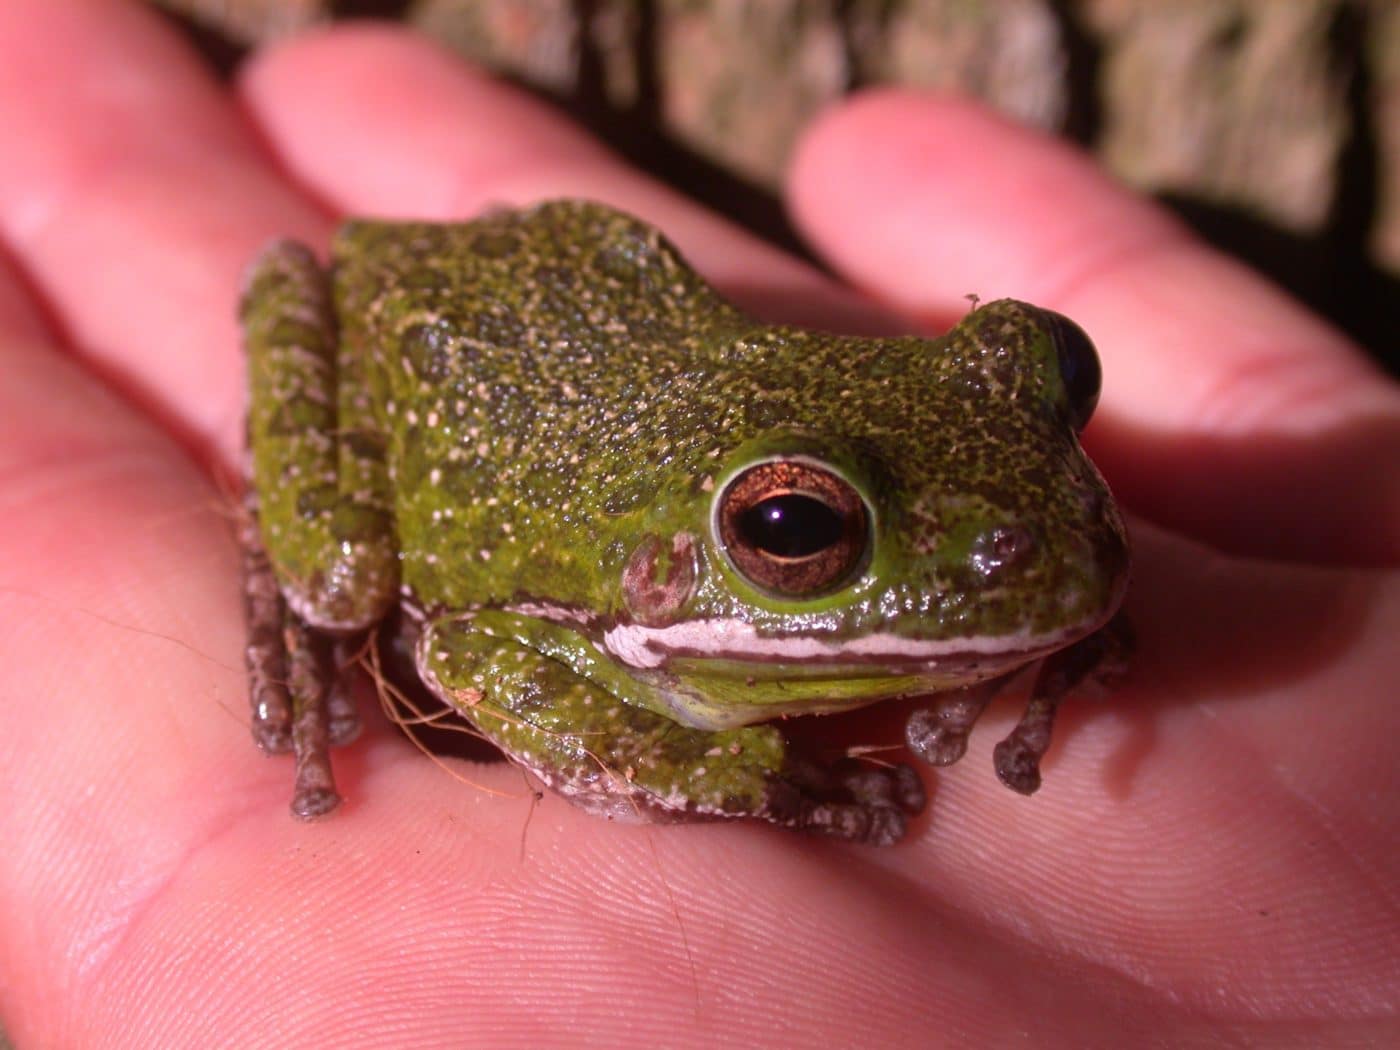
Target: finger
<point x="1223" y="400"/>
<point x="20" y="316"/>
<point x="380" y="122"/>
<point x="133" y="195"/>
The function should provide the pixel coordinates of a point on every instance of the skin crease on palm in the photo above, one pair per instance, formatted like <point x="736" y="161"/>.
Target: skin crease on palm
<point x="1211" y="859"/>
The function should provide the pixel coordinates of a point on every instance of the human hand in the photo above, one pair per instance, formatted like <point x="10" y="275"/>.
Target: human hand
<point x="1211" y="856"/>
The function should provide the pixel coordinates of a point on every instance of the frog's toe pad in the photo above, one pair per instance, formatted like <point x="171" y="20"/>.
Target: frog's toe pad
<point x="342" y="720"/>
<point x="342" y="731"/>
<point x="850" y="801"/>
<point x="898" y="786"/>
<point x="313" y="803"/>
<point x="938" y="733"/>
<point x="871" y="825"/>
<point x="273" y="737"/>
<point x="934" y="740"/>
<point x="271" y="722"/>
<point x="1017" y="763"/>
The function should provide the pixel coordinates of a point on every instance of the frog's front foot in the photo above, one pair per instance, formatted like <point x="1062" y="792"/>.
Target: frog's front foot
<point x="938" y="733"/>
<point x="626" y="761"/>
<point x="849" y="800"/>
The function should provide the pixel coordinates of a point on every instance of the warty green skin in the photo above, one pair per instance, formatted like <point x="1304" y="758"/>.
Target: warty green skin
<point x="517" y="428"/>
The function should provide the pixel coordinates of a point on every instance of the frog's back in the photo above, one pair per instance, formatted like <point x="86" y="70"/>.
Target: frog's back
<point x="521" y="366"/>
<point x="560" y="283"/>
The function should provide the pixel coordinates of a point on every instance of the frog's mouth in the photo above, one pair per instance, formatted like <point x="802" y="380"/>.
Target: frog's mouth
<point x="718" y="674"/>
<point x="738" y="644"/>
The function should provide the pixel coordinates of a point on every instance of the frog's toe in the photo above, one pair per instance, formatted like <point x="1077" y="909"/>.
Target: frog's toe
<point x="342" y="718"/>
<point x="273" y="737"/>
<point x="856" y="822"/>
<point x="1101" y="654"/>
<point x="1017" y="758"/>
<point x="1017" y="765"/>
<point x="898" y="786"/>
<point x="849" y="801"/>
<point x="299" y="681"/>
<point x="343" y="730"/>
<point x="938" y="733"/>
<point x="266" y="651"/>
<point x="929" y="737"/>
<point x="311" y="803"/>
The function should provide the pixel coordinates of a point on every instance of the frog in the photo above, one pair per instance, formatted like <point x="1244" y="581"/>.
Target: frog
<point x="626" y="530"/>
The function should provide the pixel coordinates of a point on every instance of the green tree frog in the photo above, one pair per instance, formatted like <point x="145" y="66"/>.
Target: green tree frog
<point x="627" y="527"/>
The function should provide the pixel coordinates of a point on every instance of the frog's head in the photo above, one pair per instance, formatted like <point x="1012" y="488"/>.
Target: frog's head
<point x="914" y="515"/>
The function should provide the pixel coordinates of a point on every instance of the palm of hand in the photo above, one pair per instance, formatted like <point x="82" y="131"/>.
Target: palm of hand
<point x="1211" y="853"/>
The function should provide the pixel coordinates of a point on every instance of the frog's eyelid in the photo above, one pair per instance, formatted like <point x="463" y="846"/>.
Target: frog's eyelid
<point x="1081" y="372"/>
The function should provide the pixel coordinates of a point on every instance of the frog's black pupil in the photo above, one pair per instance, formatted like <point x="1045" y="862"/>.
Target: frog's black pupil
<point x="790" y="525"/>
<point x="1079" y="368"/>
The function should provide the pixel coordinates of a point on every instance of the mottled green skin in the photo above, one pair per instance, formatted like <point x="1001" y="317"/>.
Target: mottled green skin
<point x="525" y="400"/>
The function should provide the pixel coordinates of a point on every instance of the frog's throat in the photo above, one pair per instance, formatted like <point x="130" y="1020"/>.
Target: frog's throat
<point x="647" y="648"/>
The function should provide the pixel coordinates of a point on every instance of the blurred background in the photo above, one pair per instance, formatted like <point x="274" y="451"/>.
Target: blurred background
<point x="1272" y="126"/>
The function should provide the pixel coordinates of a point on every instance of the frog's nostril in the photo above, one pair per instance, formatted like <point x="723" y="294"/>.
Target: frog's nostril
<point x="998" y="549"/>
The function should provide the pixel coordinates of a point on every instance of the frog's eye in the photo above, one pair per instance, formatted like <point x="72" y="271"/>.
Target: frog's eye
<point x="1079" y="367"/>
<point x="793" y="528"/>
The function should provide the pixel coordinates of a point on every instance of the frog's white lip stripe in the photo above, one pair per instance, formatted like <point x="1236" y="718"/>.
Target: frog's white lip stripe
<point x="720" y="639"/>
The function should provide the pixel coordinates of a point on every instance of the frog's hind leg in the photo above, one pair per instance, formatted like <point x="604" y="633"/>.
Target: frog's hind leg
<point x="319" y="562"/>
<point x="621" y="760"/>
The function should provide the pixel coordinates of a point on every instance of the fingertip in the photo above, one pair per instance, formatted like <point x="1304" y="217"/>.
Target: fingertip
<point x="380" y="121"/>
<point x="377" y="49"/>
<point x="925" y="198"/>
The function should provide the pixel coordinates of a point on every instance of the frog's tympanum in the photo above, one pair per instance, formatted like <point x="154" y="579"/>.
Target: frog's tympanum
<point x="627" y="526"/>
